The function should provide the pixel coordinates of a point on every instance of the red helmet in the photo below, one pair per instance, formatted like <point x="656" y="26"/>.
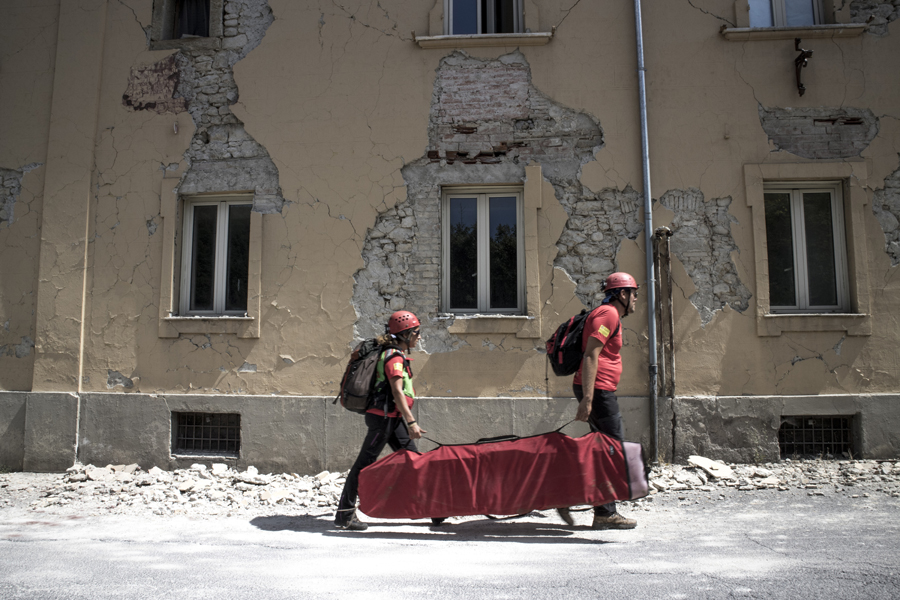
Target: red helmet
<point x="401" y="321"/>
<point x="619" y="280"/>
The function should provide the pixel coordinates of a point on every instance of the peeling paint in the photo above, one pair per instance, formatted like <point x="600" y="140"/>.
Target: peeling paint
<point x="247" y="368"/>
<point x="114" y="378"/>
<point x="10" y="188"/>
<point x="702" y="241"/>
<point x="153" y="88"/>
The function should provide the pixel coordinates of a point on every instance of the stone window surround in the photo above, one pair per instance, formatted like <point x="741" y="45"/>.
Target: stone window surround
<point x="853" y="174"/>
<point x="527" y="326"/>
<point x="831" y="28"/>
<point x="171" y="325"/>
<point x="437" y="38"/>
<point x="161" y="9"/>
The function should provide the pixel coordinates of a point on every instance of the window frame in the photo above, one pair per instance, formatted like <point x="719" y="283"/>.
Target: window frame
<point x="518" y="18"/>
<point x="160" y="27"/>
<point x="779" y="14"/>
<point x="221" y="256"/>
<point x="483" y="193"/>
<point x="798" y="228"/>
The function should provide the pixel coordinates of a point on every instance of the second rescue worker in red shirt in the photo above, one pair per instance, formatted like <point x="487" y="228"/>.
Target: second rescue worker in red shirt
<point x="602" y="365"/>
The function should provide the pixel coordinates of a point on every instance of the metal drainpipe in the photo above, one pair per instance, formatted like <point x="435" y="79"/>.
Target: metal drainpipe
<point x="648" y="233"/>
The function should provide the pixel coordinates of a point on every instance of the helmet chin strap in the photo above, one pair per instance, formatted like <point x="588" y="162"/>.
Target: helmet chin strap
<point x="625" y="305"/>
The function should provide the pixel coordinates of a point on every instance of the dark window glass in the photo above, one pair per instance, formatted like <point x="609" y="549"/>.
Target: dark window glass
<point x="191" y="18"/>
<point x="238" y="257"/>
<point x="504" y="19"/>
<point x="799" y="13"/>
<point x="463" y="253"/>
<point x="203" y="257"/>
<point x="780" y="242"/>
<point x="465" y="17"/>
<point x="503" y="253"/>
<point x="819" y="231"/>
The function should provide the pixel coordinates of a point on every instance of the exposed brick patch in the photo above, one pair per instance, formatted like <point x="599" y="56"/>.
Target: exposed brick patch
<point x="703" y="243"/>
<point x="153" y="88"/>
<point x="487" y="122"/>
<point x="886" y="206"/>
<point x="820" y="132"/>
<point x="877" y="13"/>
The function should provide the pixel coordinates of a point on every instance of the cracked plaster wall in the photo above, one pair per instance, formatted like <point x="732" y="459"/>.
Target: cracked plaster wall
<point x="487" y="121"/>
<point x="877" y="13"/>
<point x="820" y="132"/>
<point x="222" y="156"/>
<point x="886" y="206"/>
<point x="702" y="241"/>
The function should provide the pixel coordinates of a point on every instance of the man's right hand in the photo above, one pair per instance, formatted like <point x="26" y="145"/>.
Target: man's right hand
<point x="584" y="409"/>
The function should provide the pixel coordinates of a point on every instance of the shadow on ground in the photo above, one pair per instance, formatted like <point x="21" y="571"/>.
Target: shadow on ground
<point x="472" y="529"/>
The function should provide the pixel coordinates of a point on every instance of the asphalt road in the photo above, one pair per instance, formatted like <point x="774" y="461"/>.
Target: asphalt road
<point x="763" y="544"/>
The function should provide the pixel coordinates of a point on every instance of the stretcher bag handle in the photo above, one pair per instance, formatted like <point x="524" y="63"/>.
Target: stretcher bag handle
<point x="499" y="438"/>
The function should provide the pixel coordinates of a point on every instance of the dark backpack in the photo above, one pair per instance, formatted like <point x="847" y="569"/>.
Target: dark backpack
<point x="564" y="348"/>
<point x="358" y="382"/>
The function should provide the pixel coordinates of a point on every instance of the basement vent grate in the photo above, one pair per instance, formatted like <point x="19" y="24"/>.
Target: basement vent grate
<point x="207" y="433"/>
<point x="815" y="436"/>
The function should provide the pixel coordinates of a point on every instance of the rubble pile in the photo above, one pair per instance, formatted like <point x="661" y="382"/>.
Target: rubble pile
<point x="853" y="477"/>
<point x="127" y="489"/>
<point x="218" y="490"/>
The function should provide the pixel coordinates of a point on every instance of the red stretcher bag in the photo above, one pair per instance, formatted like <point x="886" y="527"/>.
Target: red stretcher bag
<point x="503" y="476"/>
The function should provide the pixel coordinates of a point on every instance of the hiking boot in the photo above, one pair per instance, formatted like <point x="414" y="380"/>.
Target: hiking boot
<point x="613" y="521"/>
<point x="565" y="515"/>
<point x="351" y="524"/>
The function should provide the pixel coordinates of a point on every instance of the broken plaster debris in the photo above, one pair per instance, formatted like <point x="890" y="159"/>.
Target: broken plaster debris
<point x="704" y="244"/>
<point x="220" y="490"/>
<point x="820" y="132"/>
<point x="877" y="13"/>
<point x="886" y="206"/>
<point x="222" y="156"/>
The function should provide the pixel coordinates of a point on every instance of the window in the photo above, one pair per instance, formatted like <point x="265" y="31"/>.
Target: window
<point x="185" y="19"/>
<point x="467" y="17"/>
<point x="483" y="264"/>
<point x="785" y="13"/>
<point x="805" y="242"/>
<point x="207" y="434"/>
<point x="215" y="257"/>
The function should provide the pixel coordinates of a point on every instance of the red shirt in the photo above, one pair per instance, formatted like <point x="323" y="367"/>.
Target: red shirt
<point x="393" y="369"/>
<point x="600" y="325"/>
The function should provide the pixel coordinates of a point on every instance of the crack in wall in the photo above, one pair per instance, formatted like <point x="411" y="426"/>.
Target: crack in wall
<point x="886" y="206"/>
<point x="487" y="122"/>
<point x="704" y="245"/>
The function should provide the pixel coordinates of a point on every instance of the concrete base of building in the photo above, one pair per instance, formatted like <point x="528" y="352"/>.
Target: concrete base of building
<point x="48" y="432"/>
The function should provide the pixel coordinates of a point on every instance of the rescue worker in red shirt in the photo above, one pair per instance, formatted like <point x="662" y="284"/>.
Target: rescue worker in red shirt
<point x="602" y="365"/>
<point x="394" y="393"/>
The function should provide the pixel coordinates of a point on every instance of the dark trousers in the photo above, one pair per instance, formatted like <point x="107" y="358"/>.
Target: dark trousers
<point x="601" y="421"/>
<point x="382" y="430"/>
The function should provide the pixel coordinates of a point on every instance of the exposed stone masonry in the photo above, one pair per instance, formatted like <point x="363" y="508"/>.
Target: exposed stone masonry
<point x="487" y="122"/>
<point x="10" y="188"/>
<point x="820" y="132"/>
<point x="703" y="243"/>
<point x="886" y="206"/>
<point x="877" y="13"/>
<point x="222" y="156"/>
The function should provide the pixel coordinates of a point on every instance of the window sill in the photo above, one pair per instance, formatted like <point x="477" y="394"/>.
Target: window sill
<point x="851" y="323"/>
<point x="484" y="40"/>
<point x="750" y="34"/>
<point x="521" y="325"/>
<point x="244" y="327"/>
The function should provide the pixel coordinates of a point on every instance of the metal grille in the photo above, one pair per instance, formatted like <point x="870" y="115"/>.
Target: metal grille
<point x="207" y="433"/>
<point x="815" y="436"/>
